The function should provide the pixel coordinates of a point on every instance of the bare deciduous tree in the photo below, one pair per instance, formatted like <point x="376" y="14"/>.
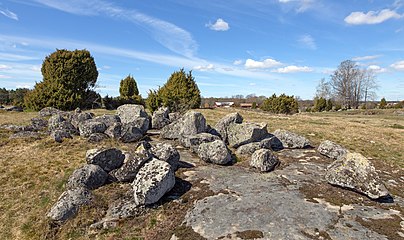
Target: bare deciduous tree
<point x="323" y="89"/>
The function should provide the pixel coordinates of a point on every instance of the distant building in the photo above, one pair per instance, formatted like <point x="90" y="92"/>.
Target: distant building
<point x="224" y="104"/>
<point x="246" y="105"/>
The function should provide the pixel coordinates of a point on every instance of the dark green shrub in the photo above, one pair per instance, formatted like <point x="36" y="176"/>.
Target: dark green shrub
<point x="128" y="88"/>
<point x="283" y="104"/>
<point x="383" y="103"/>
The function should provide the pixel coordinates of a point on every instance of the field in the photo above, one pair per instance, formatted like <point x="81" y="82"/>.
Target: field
<point x="33" y="172"/>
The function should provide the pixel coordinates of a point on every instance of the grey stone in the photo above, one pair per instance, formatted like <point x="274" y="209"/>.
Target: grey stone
<point x="69" y="203"/>
<point x="222" y="125"/>
<point x="215" y="152"/>
<point x="48" y="111"/>
<point x="130" y="133"/>
<point x="130" y="112"/>
<point x="97" y="137"/>
<point x="193" y="141"/>
<point x="114" y="131"/>
<point x="174" y="116"/>
<point x="160" y="118"/>
<point x="14" y="109"/>
<point x="272" y="143"/>
<point x="142" y="123"/>
<point x="291" y="140"/>
<point x="243" y="133"/>
<point x="131" y="166"/>
<point x="153" y="180"/>
<point x="331" y="149"/>
<point x="108" y="120"/>
<point x="108" y="159"/>
<point x="58" y="122"/>
<point x="79" y="118"/>
<point x="25" y="134"/>
<point x="264" y="160"/>
<point x="248" y="149"/>
<point x="190" y="124"/>
<point x="355" y="172"/>
<point x="167" y="153"/>
<point x="39" y="124"/>
<point x="89" y="176"/>
<point x="59" y="135"/>
<point x="89" y="127"/>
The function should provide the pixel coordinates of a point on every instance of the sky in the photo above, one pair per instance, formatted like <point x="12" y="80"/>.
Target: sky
<point x="232" y="46"/>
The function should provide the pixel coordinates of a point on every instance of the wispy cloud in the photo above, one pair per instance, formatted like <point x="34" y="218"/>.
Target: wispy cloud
<point x="219" y="25"/>
<point x="366" y="58"/>
<point x="167" y="34"/>
<point x="208" y="67"/>
<point x="267" y="63"/>
<point x="307" y="41"/>
<point x="399" y="66"/>
<point x="377" y="69"/>
<point x="371" y="17"/>
<point x="15" y="57"/>
<point x="8" y="14"/>
<point x="292" y="69"/>
<point x="299" y="5"/>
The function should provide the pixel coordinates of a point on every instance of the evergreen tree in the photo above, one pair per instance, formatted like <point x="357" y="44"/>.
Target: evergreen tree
<point x="128" y="88"/>
<point x="383" y="103"/>
<point x="329" y="105"/>
<point x="283" y="104"/>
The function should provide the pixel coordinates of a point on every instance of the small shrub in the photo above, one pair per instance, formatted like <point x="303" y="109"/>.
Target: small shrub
<point x="283" y="104"/>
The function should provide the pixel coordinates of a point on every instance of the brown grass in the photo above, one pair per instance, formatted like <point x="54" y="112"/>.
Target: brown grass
<point x="33" y="173"/>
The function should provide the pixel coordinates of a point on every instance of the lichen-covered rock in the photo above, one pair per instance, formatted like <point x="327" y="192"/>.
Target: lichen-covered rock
<point x="244" y="133"/>
<point x="69" y="203"/>
<point x="167" y="153"/>
<point x="97" y="137"/>
<point x="59" y="135"/>
<point x="58" y="122"/>
<point x="114" y="131"/>
<point x="291" y="140"/>
<point x="89" y="176"/>
<point x="25" y="134"/>
<point x="153" y="180"/>
<point x="264" y="160"/>
<point x="48" y="111"/>
<point x="39" y="124"/>
<point x="331" y="149"/>
<point x="193" y="141"/>
<point x="78" y="118"/>
<point x="128" y="113"/>
<point x="142" y="123"/>
<point x="108" y="159"/>
<point x="248" y="149"/>
<point x="190" y="124"/>
<point x="131" y="166"/>
<point x="130" y="133"/>
<point x="355" y="172"/>
<point x="174" y="116"/>
<point x="108" y="120"/>
<point x="222" y="125"/>
<point x="271" y="142"/>
<point x="215" y="152"/>
<point x="160" y="118"/>
<point x="89" y="127"/>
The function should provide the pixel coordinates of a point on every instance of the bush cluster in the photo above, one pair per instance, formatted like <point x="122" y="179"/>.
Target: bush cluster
<point x="13" y="97"/>
<point x="321" y="104"/>
<point x="283" y="104"/>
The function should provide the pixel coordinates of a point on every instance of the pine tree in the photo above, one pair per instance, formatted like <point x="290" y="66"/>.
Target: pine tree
<point x="128" y="88"/>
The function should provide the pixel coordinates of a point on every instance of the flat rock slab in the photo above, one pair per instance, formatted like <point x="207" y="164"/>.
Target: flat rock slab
<point x="272" y="206"/>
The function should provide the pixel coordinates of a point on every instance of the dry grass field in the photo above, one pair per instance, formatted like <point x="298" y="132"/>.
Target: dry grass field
<point x="33" y="172"/>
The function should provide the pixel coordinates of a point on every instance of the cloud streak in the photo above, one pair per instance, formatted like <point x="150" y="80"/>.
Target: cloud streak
<point x="371" y="17"/>
<point x="167" y="34"/>
<point x="308" y="42"/>
<point x="8" y="14"/>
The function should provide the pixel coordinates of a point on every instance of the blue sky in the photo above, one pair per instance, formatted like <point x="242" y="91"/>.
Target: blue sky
<point x="232" y="46"/>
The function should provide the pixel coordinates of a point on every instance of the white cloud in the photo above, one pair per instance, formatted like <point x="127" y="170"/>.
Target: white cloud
<point x="167" y="34"/>
<point x="376" y="69"/>
<point x="208" y="67"/>
<point x="292" y="69"/>
<point x="4" y="67"/>
<point x="371" y="17"/>
<point x="238" y="62"/>
<point x="219" y="25"/>
<point x="399" y="66"/>
<point x="307" y="41"/>
<point x="366" y="58"/>
<point x="267" y="63"/>
<point x="9" y="14"/>
<point x="300" y="5"/>
<point x="4" y="76"/>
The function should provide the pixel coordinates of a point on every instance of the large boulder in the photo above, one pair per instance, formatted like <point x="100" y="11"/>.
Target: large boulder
<point x="128" y="113"/>
<point x="130" y="133"/>
<point x="108" y="120"/>
<point x="89" y="176"/>
<point x="142" y="123"/>
<point x="215" y="152"/>
<point x="243" y="133"/>
<point x="58" y="122"/>
<point x="355" y="172"/>
<point x="167" y="153"/>
<point x="78" y="118"/>
<point x="39" y="124"/>
<point x="271" y="142"/>
<point x="291" y="140"/>
<point x="89" y="127"/>
<point x="222" y="125"/>
<point x="108" y="159"/>
<point x="69" y="203"/>
<point x="114" y="131"/>
<point x="160" y="118"/>
<point x="190" y="124"/>
<point x="48" y="111"/>
<point x="131" y="166"/>
<point x="153" y="180"/>
<point x="264" y="160"/>
<point x="248" y="149"/>
<point x="193" y="141"/>
<point x="331" y="149"/>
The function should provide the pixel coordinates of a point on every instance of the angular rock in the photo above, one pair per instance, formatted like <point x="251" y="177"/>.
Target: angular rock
<point x="248" y="149"/>
<point x="14" y="109"/>
<point x="160" y="118"/>
<point x="174" y="116"/>
<point x="89" y="127"/>
<point x="193" y="141"/>
<point x="142" y="123"/>
<point x="69" y="203"/>
<point x="291" y="140"/>
<point x="59" y="135"/>
<point x="58" y="122"/>
<point x="167" y="153"/>
<point x="79" y="118"/>
<point x="222" y="125"/>
<point x="97" y="137"/>
<point x="132" y="164"/>
<point x="331" y="149"/>
<point x="215" y="152"/>
<point x="108" y="120"/>
<point x="130" y="133"/>
<point x="272" y="143"/>
<point x="153" y="180"/>
<point x="108" y="159"/>
<point x="48" y="111"/>
<point x="243" y="133"/>
<point x="25" y="134"/>
<point x="114" y="131"/>
<point x="355" y="172"/>
<point x="89" y="176"/>
<point x="264" y="160"/>
<point x="39" y="124"/>
<point x="130" y="112"/>
<point x="190" y="124"/>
